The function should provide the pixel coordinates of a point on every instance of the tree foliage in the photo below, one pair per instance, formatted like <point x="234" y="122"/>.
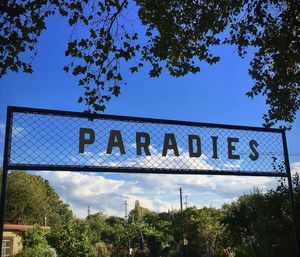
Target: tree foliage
<point x="201" y="229"/>
<point x="35" y="237"/>
<point x="173" y="35"/>
<point x="35" y="244"/>
<point x="72" y="240"/>
<point x="255" y="221"/>
<point x="101" y="250"/>
<point x="96" y="224"/>
<point x="257" y="224"/>
<point x="37" y="251"/>
<point x="137" y="213"/>
<point x="30" y="198"/>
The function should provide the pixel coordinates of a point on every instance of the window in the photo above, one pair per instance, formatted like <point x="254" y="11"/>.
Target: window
<point x="7" y="247"/>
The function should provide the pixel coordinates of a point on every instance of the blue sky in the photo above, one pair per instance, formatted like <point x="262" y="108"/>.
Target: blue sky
<point x="216" y="95"/>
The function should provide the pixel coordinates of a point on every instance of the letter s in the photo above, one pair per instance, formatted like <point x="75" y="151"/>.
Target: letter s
<point x="254" y="155"/>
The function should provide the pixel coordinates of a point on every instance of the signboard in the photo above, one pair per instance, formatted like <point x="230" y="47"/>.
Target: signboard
<point x="59" y="140"/>
<point x="39" y="139"/>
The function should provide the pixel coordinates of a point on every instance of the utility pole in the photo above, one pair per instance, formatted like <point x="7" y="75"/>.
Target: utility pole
<point x="183" y="241"/>
<point x="172" y="213"/>
<point x="186" y="201"/>
<point x="89" y="211"/>
<point x="126" y="223"/>
<point x="126" y="216"/>
<point x="180" y="194"/>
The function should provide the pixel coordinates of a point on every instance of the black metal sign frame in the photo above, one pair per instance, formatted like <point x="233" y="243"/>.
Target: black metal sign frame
<point x="7" y="165"/>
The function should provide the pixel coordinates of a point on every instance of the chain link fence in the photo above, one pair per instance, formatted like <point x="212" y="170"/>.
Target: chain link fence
<point x="55" y="140"/>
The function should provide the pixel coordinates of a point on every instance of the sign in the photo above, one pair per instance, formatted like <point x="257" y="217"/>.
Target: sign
<point x="58" y="140"/>
<point x="37" y="139"/>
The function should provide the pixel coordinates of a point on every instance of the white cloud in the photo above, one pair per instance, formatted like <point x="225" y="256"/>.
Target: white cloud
<point x="235" y="165"/>
<point x="2" y="132"/>
<point x="154" y="191"/>
<point x="183" y="161"/>
<point x="18" y="131"/>
<point x="2" y="128"/>
<point x="221" y="186"/>
<point x="295" y="167"/>
<point x="81" y="190"/>
<point x="158" y="192"/>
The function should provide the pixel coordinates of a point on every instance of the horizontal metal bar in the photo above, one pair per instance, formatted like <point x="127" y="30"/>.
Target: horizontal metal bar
<point x="85" y="115"/>
<point x="144" y="170"/>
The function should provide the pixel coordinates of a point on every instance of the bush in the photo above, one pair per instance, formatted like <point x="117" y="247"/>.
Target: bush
<point x="101" y="250"/>
<point x="37" y="251"/>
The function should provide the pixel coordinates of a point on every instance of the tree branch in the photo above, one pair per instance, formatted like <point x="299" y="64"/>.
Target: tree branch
<point x="115" y="15"/>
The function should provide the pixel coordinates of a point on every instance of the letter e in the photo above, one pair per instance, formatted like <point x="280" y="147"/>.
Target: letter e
<point x="231" y="148"/>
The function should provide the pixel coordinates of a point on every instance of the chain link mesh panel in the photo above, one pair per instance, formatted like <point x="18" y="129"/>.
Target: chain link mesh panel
<point x="41" y="139"/>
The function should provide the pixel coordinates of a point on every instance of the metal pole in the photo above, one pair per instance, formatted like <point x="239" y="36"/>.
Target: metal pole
<point x="181" y="208"/>
<point x="291" y="195"/>
<point x="2" y="206"/>
<point x="186" y="202"/>
<point x="180" y="194"/>
<point x="126" y="215"/>
<point x="294" y="215"/>
<point x="4" y="173"/>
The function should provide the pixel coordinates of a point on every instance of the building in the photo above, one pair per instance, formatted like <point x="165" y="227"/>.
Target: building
<point x="13" y="238"/>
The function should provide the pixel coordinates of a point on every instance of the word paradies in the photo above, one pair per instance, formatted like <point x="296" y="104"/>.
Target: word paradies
<point x="115" y="144"/>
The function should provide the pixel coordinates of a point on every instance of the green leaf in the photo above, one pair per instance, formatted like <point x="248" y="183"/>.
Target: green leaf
<point x="79" y="70"/>
<point x="66" y="68"/>
<point x="133" y="69"/>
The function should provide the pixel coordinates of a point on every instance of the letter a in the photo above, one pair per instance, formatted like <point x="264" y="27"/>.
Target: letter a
<point x="170" y="146"/>
<point x="115" y="140"/>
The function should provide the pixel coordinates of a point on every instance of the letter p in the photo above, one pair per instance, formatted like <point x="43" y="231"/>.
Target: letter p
<point x="83" y="140"/>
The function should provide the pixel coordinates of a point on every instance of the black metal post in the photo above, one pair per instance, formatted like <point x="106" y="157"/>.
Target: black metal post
<point x="181" y="208"/>
<point x="5" y="172"/>
<point x="180" y="195"/>
<point x="291" y="195"/>
<point x="2" y="206"/>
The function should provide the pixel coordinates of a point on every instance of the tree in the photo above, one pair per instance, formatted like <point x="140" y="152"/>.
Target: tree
<point x="138" y="212"/>
<point x="36" y="245"/>
<point x="37" y="251"/>
<point x="175" y="35"/>
<point x="202" y="231"/>
<point x="71" y="240"/>
<point x="159" y="237"/>
<point x="116" y="237"/>
<point x="101" y="250"/>
<point x="30" y="198"/>
<point x="254" y="222"/>
<point x="96" y="224"/>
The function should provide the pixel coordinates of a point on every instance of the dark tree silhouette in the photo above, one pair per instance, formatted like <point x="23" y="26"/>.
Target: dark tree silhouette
<point x="176" y="36"/>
